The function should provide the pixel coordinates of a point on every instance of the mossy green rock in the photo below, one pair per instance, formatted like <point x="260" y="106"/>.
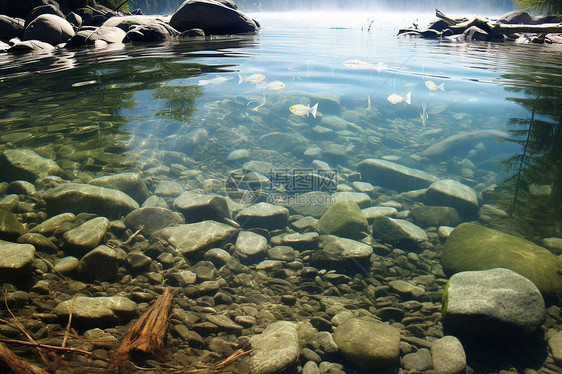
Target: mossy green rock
<point x="344" y="219"/>
<point x="473" y="247"/>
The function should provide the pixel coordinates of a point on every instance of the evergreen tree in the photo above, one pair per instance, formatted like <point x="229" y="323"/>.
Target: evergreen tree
<point x="540" y="6"/>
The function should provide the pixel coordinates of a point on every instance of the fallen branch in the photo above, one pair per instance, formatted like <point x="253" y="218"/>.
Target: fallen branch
<point x="51" y="266"/>
<point x="128" y="241"/>
<point x="10" y="363"/>
<point x="148" y="333"/>
<point x="545" y="28"/>
<point x="54" y="348"/>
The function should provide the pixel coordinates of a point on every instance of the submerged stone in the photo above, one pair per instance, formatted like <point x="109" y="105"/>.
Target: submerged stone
<point x="87" y="236"/>
<point x="99" y="264"/>
<point x="15" y="261"/>
<point x="130" y="183"/>
<point x="197" y="207"/>
<point x="448" y="356"/>
<point x="343" y="219"/>
<point x="399" y="232"/>
<point x="152" y="219"/>
<point x="250" y="247"/>
<point x="94" y="311"/>
<point x="492" y="303"/>
<point x="10" y="226"/>
<point x="263" y="215"/>
<point x="27" y="165"/>
<point x="454" y="194"/>
<point x="79" y="198"/>
<point x="427" y="216"/>
<point x="276" y="349"/>
<point x="473" y="247"/>
<point x="394" y="176"/>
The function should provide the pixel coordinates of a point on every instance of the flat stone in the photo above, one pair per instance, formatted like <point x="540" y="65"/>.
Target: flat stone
<point x="368" y="343"/>
<point x="49" y="226"/>
<point x="40" y="242"/>
<point x="238" y="155"/>
<point x="379" y="211"/>
<point x="197" y="207"/>
<point x="475" y="247"/>
<point x="314" y="203"/>
<point x="496" y="302"/>
<point x="27" y="165"/>
<point x="435" y="216"/>
<point x="87" y="236"/>
<point x="15" y="261"/>
<point x="152" y="219"/>
<point x="406" y="288"/>
<point x="81" y="198"/>
<point x="304" y="223"/>
<point x="99" y="264"/>
<point x="281" y="253"/>
<point x="167" y="188"/>
<point x="399" y="232"/>
<point x="418" y="361"/>
<point x="10" y="227"/>
<point x="394" y="176"/>
<point x="454" y="194"/>
<point x="275" y="349"/>
<point x="200" y="236"/>
<point x="130" y="183"/>
<point x="555" y="345"/>
<point x="448" y="356"/>
<point x="250" y="247"/>
<point x="281" y="141"/>
<point x="224" y="322"/>
<point x="343" y="219"/>
<point x="67" y="265"/>
<point x="263" y="215"/>
<point x="92" y="311"/>
<point x="351" y="249"/>
<point x="361" y="199"/>
<point x="307" y="240"/>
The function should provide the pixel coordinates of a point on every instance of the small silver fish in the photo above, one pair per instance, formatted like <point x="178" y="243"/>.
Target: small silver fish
<point x="424" y="115"/>
<point x="254" y="78"/>
<point x="434" y="87"/>
<point x="397" y="98"/>
<point x="214" y="81"/>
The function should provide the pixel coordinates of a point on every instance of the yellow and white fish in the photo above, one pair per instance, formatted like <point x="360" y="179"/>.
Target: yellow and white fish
<point x="397" y="98"/>
<point x="85" y="83"/>
<point x="275" y="85"/>
<point x="254" y="78"/>
<point x="363" y="65"/>
<point x="304" y="110"/>
<point x="434" y="87"/>
<point x="214" y="81"/>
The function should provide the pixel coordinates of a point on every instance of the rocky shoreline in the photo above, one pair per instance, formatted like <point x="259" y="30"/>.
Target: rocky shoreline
<point x="44" y="25"/>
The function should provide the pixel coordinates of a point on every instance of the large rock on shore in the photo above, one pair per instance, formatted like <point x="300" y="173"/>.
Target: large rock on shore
<point x="90" y="35"/>
<point x="492" y="303"/>
<point x="474" y="247"/>
<point x="10" y="27"/>
<point x="49" y="28"/>
<point x="78" y="198"/>
<point x="394" y="176"/>
<point x="213" y="17"/>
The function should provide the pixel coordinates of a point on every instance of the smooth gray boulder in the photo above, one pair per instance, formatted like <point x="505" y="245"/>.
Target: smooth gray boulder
<point x="49" y="28"/>
<point x="368" y="343"/>
<point x="79" y="198"/>
<point x="96" y="311"/>
<point x="87" y="236"/>
<point x="399" y="232"/>
<point x="130" y="183"/>
<point x="379" y="211"/>
<point x="263" y="215"/>
<point x="448" y="192"/>
<point x="250" y="247"/>
<point x="198" y="207"/>
<point x="343" y="219"/>
<point x="275" y="349"/>
<point x="31" y="46"/>
<point x="89" y="36"/>
<point x="428" y="216"/>
<point x="49" y="226"/>
<point x="418" y="361"/>
<point x="152" y="219"/>
<point x="126" y="23"/>
<point x="194" y="237"/>
<point x="495" y="303"/>
<point x="213" y="17"/>
<point x="394" y="176"/>
<point x="360" y="198"/>
<point x="15" y="261"/>
<point x="448" y="356"/>
<point x="27" y="165"/>
<point x="10" y="226"/>
<point x="99" y="264"/>
<point x="152" y="32"/>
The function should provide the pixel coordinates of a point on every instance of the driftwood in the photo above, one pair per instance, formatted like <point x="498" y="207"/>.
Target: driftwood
<point x="545" y="28"/>
<point x="10" y="363"/>
<point x="148" y="333"/>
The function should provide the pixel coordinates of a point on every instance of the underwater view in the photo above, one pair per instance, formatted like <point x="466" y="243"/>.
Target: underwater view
<point x="323" y="196"/>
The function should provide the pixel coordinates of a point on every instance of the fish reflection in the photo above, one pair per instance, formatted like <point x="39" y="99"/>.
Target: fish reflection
<point x="434" y="87"/>
<point x="397" y="98"/>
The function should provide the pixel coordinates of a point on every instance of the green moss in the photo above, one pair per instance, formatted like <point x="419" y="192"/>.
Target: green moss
<point x="445" y="300"/>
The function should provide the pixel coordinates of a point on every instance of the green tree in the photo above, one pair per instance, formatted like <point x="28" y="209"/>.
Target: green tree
<point x="539" y="6"/>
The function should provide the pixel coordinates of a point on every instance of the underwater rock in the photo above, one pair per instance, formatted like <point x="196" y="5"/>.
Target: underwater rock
<point x="492" y="304"/>
<point x="40" y="242"/>
<point x="394" y="176"/>
<point x="87" y="236"/>
<point x="361" y="199"/>
<point x="281" y="141"/>
<point x="406" y="289"/>
<point x="238" y="155"/>
<point x="15" y="261"/>
<point x="427" y="216"/>
<point x="89" y="36"/>
<point x="79" y="198"/>
<point x="474" y="247"/>
<point x="193" y="237"/>
<point x="212" y="17"/>
<point x="275" y="349"/>
<point x="250" y="247"/>
<point x="152" y="219"/>
<point x="299" y="241"/>
<point x="10" y="226"/>
<point x="10" y="27"/>
<point x="379" y="211"/>
<point x="196" y="207"/>
<point x="126" y="23"/>
<point x="96" y="311"/>
<point x="263" y="215"/>
<point x="130" y="183"/>
<point x="167" y="188"/>
<point x="152" y="32"/>
<point x="368" y="343"/>
<point x="314" y="203"/>
<point x="555" y="345"/>
<point x="49" y="226"/>
<point x="343" y="219"/>
<point x="448" y="356"/>
<point x="100" y="264"/>
<point x="343" y="255"/>
<point x="49" y="28"/>
<point x="454" y="194"/>
<point x="418" y="361"/>
<point x="27" y="165"/>
<point x="399" y="232"/>
<point x="30" y="46"/>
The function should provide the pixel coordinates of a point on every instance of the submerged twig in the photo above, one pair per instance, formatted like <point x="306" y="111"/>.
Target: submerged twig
<point x="128" y="241"/>
<point x="51" y="266"/>
<point x="54" y="348"/>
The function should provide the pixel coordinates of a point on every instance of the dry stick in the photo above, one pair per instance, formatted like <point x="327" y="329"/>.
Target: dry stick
<point x="14" y="364"/>
<point x="54" y="348"/>
<point x="148" y="333"/>
<point x="131" y="237"/>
